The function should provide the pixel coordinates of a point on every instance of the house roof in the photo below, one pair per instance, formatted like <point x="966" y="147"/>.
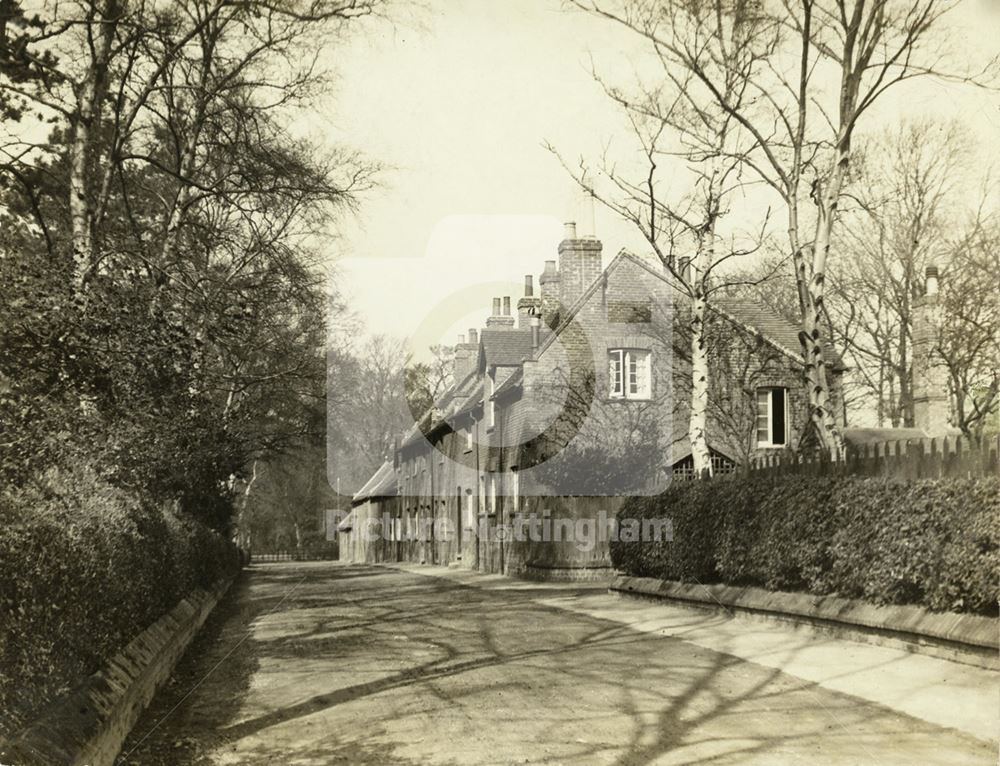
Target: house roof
<point x="381" y="484"/>
<point x="771" y="325"/>
<point x="470" y="402"/>
<point x="512" y="382"/>
<point x="505" y="348"/>
<point x="774" y="329"/>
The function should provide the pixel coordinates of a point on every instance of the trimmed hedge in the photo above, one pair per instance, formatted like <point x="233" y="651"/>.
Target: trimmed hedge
<point x="84" y="568"/>
<point x="926" y="542"/>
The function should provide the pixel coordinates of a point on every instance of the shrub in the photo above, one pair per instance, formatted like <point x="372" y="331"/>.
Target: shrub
<point x="935" y="543"/>
<point x="84" y="568"/>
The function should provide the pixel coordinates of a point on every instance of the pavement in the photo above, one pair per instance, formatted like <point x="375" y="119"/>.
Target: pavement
<point x="327" y="663"/>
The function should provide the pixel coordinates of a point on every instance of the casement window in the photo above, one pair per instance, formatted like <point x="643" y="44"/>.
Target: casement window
<point x="469" y="516"/>
<point x="491" y="412"/>
<point x="772" y="417"/>
<point x="629" y="373"/>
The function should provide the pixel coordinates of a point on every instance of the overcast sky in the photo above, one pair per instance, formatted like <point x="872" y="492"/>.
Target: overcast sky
<point x="460" y="109"/>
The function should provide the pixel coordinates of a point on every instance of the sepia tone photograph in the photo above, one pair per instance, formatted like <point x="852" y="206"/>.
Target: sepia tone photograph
<point x="493" y="382"/>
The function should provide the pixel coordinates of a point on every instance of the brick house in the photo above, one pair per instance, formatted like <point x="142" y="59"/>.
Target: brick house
<point x="578" y="401"/>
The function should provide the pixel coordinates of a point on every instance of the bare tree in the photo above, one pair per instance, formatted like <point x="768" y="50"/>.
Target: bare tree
<point x="969" y="338"/>
<point x="802" y="129"/>
<point x="675" y="123"/>
<point x="902" y="206"/>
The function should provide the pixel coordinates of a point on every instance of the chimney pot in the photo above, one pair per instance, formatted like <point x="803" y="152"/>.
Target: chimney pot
<point x="461" y="338"/>
<point x="473" y="335"/>
<point x="569" y="230"/>
<point x="529" y="289"/>
<point x="506" y="305"/>
<point x="496" y="307"/>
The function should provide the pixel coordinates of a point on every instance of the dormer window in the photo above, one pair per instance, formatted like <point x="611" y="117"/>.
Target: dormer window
<point x="772" y="417"/>
<point x="629" y="373"/>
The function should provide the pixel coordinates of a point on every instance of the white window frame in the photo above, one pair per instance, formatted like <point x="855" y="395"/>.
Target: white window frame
<point x="515" y="489"/>
<point x="768" y="393"/>
<point x="625" y="373"/>
<point x="491" y="411"/>
<point x="468" y="511"/>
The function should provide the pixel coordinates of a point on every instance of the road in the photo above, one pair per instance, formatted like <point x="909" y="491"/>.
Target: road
<point x="324" y="663"/>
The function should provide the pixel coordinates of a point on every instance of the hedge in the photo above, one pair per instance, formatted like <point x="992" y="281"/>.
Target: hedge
<point x="84" y="568"/>
<point x="935" y="543"/>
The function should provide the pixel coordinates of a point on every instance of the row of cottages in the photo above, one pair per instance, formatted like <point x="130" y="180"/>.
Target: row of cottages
<point x="561" y="411"/>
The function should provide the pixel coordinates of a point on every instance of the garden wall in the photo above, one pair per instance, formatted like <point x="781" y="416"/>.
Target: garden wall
<point x="88" y="726"/>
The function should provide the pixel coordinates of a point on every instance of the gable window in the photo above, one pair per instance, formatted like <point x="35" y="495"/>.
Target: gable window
<point x="772" y="417"/>
<point x="629" y="374"/>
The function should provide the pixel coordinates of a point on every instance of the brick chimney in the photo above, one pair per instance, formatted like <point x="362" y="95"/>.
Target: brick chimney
<point x="579" y="264"/>
<point x="930" y="380"/>
<point x="466" y="355"/>
<point x="501" y="318"/>
<point x="527" y="305"/>
<point x="549" y="281"/>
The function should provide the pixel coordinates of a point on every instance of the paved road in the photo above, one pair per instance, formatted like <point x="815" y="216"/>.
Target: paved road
<point x="327" y="663"/>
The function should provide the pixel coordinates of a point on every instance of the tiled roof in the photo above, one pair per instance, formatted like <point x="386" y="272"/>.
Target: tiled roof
<point x="470" y="402"/>
<point x="512" y="382"/>
<point x="381" y="484"/>
<point x="769" y="324"/>
<point x="506" y="348"/>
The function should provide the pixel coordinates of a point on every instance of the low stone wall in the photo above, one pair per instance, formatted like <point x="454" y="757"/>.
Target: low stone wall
<point x="968" y="638"/>
<point x="546" y="573"/>
<point x="88" y="726"/>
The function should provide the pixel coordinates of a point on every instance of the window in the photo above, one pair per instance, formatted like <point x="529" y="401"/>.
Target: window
<point x="629" y="374"/>
<point x="492" y="489"/>
<point x="468" y="439"/>
<point x="514" y="490"/>
<point x="772" y="417"/>
<point x="470" y="513"/>
<point x="683" y="469"/>
<point x="490" y="404"/>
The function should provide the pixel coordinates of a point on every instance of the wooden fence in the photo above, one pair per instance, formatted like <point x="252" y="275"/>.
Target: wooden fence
<point x="947" y="457"/>
<point x="326" y="552"/>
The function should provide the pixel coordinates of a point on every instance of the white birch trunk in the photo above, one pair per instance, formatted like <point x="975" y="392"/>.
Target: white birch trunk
<point x="698" y="424"/>
<point x="812" y="289"/>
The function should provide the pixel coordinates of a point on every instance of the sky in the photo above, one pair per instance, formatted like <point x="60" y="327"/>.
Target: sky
<point x="458" y="103"/>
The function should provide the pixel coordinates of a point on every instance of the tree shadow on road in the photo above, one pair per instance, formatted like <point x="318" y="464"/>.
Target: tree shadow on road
<point x="358" y="662"/>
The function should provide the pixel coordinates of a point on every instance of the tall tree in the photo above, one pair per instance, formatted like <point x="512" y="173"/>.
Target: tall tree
<point x="675" y="119"/>
<point x="830" y="61"/>
<point x="163" y="229"/>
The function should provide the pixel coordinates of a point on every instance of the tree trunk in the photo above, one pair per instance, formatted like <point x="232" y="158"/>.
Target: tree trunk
<point x="697" y="428"/>
<point x="811" y="284"/>
<point x="243" y="519"/>
<point x="90" y="95"/>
